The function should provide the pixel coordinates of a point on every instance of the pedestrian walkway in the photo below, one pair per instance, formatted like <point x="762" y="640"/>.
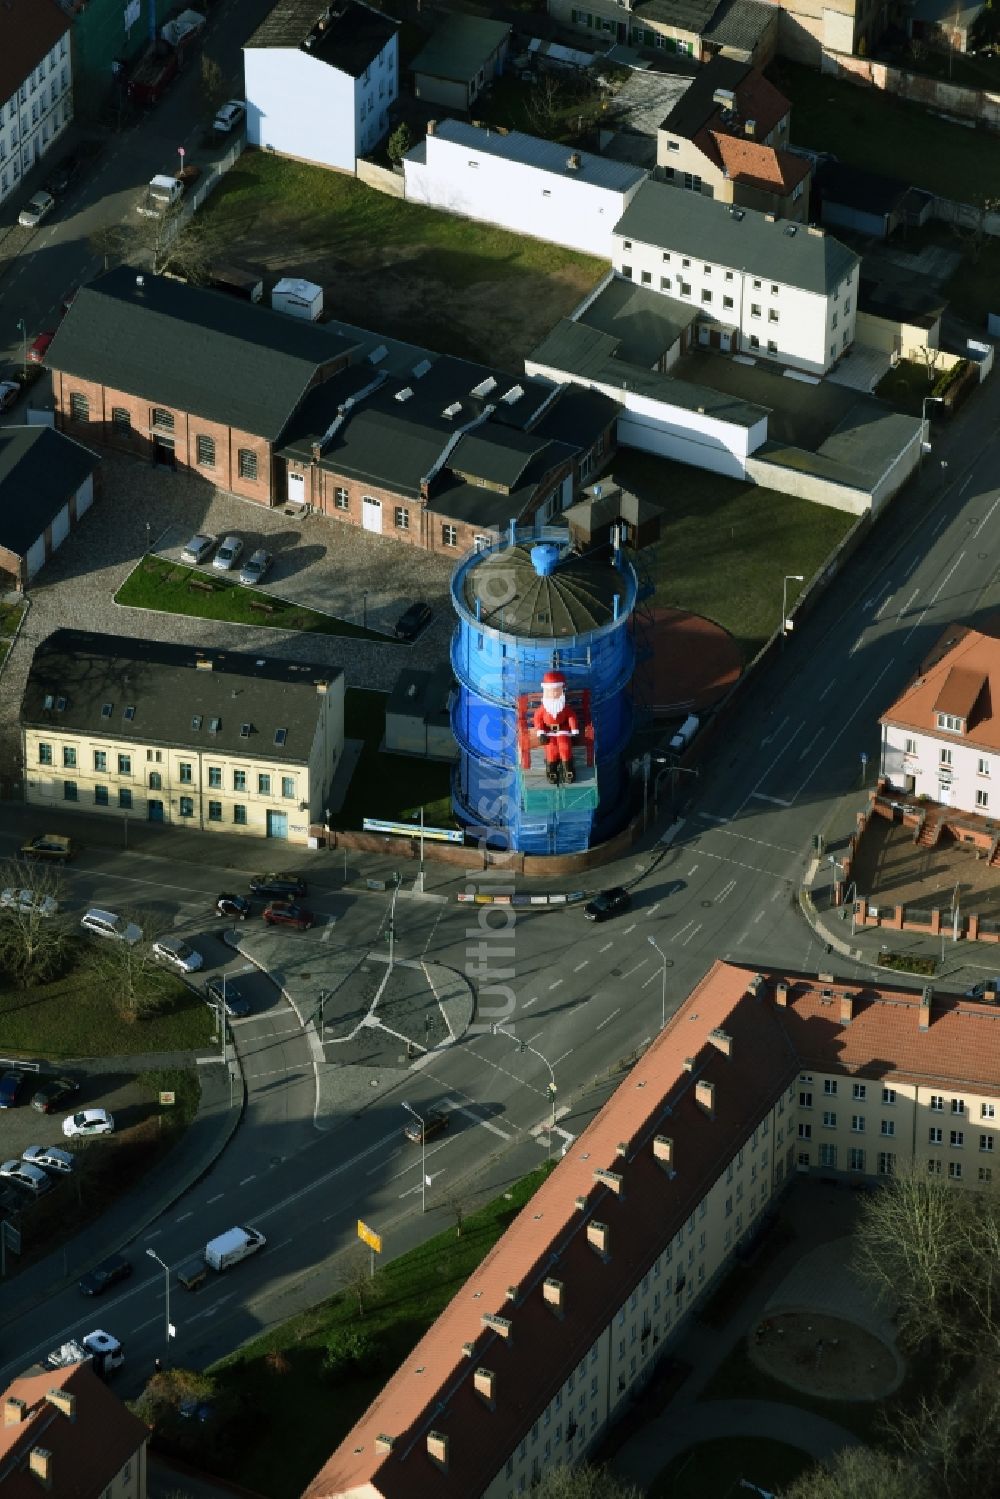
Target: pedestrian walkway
<point x="686" y="1426"/>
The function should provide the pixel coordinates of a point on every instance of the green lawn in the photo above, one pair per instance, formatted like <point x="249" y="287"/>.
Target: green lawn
<point x="280" y="1372"/>
<point x="725" y="546"/>
<point x="72" y="1016"/>
<point x="389" y="786"/>
<point x="157" y="584"/>
<point x="716" y="1468"/>
<point x="739" y="1378"/>
<point x="867" y="127"/>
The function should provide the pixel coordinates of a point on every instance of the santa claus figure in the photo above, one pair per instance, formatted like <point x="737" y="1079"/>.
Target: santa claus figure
<point x="556" y="726"/>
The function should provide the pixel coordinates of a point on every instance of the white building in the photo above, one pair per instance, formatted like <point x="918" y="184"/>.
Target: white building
<point x="521" y="183"/>
<point x="768" y="288"/>
<point x="319" y="81"/>
<point x="941" y="737"/>
<point x="36" y="86"/>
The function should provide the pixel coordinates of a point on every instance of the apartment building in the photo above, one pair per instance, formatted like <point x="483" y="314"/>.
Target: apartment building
<point x="755" y="1079"/>
<point x="319" y="81"/>
<point x="764" y="287"/>
<point x="200" y="739"/>
<point x="941" y="737"/>
<point x="36" y="86"/>
<point x="66" y="1435"/>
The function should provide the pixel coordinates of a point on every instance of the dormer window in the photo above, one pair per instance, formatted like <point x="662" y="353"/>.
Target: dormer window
<point x="950" y="723"/>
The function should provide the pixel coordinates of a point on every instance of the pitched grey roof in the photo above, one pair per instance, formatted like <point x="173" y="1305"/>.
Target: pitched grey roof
<point x="169" y="692"/>
<point x="39" y="469"/>
<point x="348" y="36"/>
<point x="459" y="47"/>
<point x="548" y="156"/>
<point x="697" y="105"/>
<point x="740" y="24"/>
<point x="496" y="455"/>
<point x="739" y="239"/>
<point x="686" y="15"/>
<point x="647" y="323"/>
<point x="192" y="349"/>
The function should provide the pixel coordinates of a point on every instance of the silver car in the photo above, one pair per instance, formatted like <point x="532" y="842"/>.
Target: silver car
<point x="229" y="553"/>
<point x="198" y="549"/>
<point x="229" y="116"/>
<point x="35" y="209"/>
<point x="32" y="1177"/>
<point x="49" y="1158"/>
<point x="256" y="568"/>
<point x="26" y="902"/>
<point x="178" y="954"/>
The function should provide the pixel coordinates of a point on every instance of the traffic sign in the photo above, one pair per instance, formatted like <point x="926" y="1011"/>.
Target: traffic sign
<point x="369" y="1236"/>
<point x="168" y="1097"/>
<point x="864" y="757"/>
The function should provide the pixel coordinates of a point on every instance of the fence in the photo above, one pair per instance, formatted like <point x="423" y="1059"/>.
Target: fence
<point x="382" y="179"/>
<point x="192" y="201"/>
<point x="933" y="93"/>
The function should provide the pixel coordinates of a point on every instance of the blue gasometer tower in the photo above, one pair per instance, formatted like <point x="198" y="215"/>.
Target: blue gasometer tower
<point x="529" y="607"/>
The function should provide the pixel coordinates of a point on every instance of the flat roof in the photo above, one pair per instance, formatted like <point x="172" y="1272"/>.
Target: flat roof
<point x="547" y="156"/>
<point x="460" y="46"/>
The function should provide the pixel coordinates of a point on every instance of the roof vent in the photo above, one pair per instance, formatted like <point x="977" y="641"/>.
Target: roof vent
<point x="404" y="394"/>
<point x="244" y="731"/>
<point x="512" y="396"/>
<point x="545" y="558"/>
<point x="573" y="162"/>
<point x="377" y="355"/>
<point x="770" y="218"/>
<point x="816" y="231"/>
<point x="384" y="1443"/>
<point x="419" y="370"/>
<point x="484" y="387"/>
<point x="791" y="229"/>
<point x="451" y="410"/>
<point x="750" y="128"/>
<point x="725" y="98"/>
<point x="140" y="282"/>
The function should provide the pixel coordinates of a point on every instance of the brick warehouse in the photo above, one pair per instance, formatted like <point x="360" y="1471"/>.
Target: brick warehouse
<point x="436" y="453"/>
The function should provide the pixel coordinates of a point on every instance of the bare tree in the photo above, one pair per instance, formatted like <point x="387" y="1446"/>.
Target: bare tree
<point x="356" y="1279"/>
<point x="930" y="358"/>
<point x="34" y="937"/>
<point x="176" y="244"/>
<point x="110" y="242"/>
<point x="213" y="84"/>
<point x="137" y="984"/>
<point x="583" y="1482"/>
<point x="457" y="1202"/>
<point x="970" y="225"/>
<point x="861" y="1473"/>
<point x="544" y="104"/>
<point x="956" y="1442"/>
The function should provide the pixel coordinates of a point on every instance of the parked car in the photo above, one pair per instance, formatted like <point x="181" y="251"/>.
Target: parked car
<point x="35" y="210"/>
<point x="230" y="115"/>
<point x="61" y="176"/>
<point x="229" y="553"/>
<point x="236" y="906"/>
<point x="409" y="625"/>
<point x="288" y="913"/>
<point x="31" y="1177"/>
<point x="88" y="1122"/>
<point x="110" y="1272"/>
<point x="434" y="1123"/>
<point x="236" y="1003"/>
<point x="51" y="1095"/>
<point x="607" y="903"/>
<point x="9" y="392"/>
<point x="198" y="549"/>
<point x="176" y="952"/>
<point x="109" y="924"/>
<point x="256" y="568"/>
<point x="49" y="1158"/>
<point x="40" y="347"/>
<point x="10" y="1089"/>
<point x="25" y="902"/>
<point x="278" y="884"/>
<point x="51" y="846"/>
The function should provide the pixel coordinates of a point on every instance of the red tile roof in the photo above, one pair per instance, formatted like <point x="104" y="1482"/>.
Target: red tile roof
<point x="30" y="29"/>
<point x="751" y="162"/>
<point x="87" y="1451"/>
<point x="961" y="658"/>
<point x="757" y="99"/>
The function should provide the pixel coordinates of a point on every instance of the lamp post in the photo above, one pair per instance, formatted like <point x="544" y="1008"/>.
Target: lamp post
<point x="837" y="868"/>
<point x="423" y="1153"/>
<point x="22" y="328"/>
<point x="392" y="926"/>
<point x="364" y="608"/>
<point x="789" y="578"/>
<point x="498" y="1030"/>
<point x="166" y="1281"/>
<point x="420" y="877"/>
<point x="663" y="980"/>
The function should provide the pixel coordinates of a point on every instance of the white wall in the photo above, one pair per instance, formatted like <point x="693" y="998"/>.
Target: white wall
<point x="34" y="115"/>
<point x="564" y="209"/>
<point x="931" y="778"/>
<point x="299" y="106"/>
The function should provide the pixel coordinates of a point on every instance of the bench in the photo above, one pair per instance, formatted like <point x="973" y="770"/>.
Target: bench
<point x="201" y="586"/>
<point x="257" y="607"/>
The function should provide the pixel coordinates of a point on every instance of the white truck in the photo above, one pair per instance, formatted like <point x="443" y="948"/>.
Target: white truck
<point x="160" y="196"/>
<point x="100" y="1349"/>
<point x="184" y="28"/>
<point x="232" y="1246"/>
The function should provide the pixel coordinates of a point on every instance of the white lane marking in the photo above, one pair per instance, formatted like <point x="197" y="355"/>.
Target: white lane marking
<point x="555" y="985"/>
<point x="843" y="728"/>
<point x="857" y="644"/>
<point x="606" y="947"/>
<point x="629" y="929"/>
<point x="828" y="688"/>
<point x="817" y="735"/>
<point x="691" y="871"/>
<point x="691" y="934"/>
<point x="915" y="626"/>
<point x="143" y="1325"/>
<point x="653" y="909"/>
<point x="764" y="775"/>
<point x="777" y="801"/>
<point x="249" y="1178"/>
<point x="682" y="929"/>
<point x="712" y="817"/>
<point x="217" y="1198"/>
<point x="957" y="563"/>
<point x="654" y="978"/>
<point x="154" y="1235"/>
<point x="183" y="1216"/>
<point x="581" y="965"/>
<point x="565" y="1054"/>
<point x="630" y="972"/>
<point x="777" y="730"/>
<point x="613" y="1014"/>
<point x="881" y="608"/>
<point x="726" y="891"/>
<point x="529" y="1002"/>
<point x="965" y="486"/>
<point x="494" y="1129"/>
<point x="986" y="517"/>
<point x="782" y="848"/>
<point x="758" y="917"/>
<point x="327" y="932"/>
<point x="940" y="525"/>
<point x="909" y="601"/>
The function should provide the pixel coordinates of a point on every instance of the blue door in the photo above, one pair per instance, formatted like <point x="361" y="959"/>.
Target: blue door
<point x="155" y="810"/>
<point x="277" y="824"/>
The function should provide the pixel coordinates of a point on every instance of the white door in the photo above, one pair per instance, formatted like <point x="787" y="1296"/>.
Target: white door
<point x="35" y="558"/>
<point x="85" y="496"/>
<point x="725" y="341"/>
<point x="296" y="488"/>
<point x="703" y="335"/>
<point x="60" y="527"/>
<point x="371" y="513"/>
<point x="944" y="793"/>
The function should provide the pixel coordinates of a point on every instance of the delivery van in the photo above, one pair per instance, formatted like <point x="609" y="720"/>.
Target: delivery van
<point x="232" y="1246"/>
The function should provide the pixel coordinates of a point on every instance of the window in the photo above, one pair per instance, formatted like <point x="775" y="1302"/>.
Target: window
<point x="830" y="1086"/>
<point x="645" y="277"/>
<point x="626" y="244"/>
<point x="125" y="797"/>
<point x="100" y="796"/>
<point x="986" y="1142"/>
<point x="163" y="419"/>
<point x="909" y="747"/>
<point x="288" y="786"/>
<point x="341" y="500"/>
<point x="982" y="798"/>
<point x="187" y="806"/>
<point x="685" y="288"/>
<point x="627" y="272"/>
<point x="805" y="1100"/>
<point x="934" y="1168"/>
<point x="772" y="347"/>
<point x="215" y="777"/>
<point x="184" y="773"/>
<point x="888" y="1095"/>
<point x="69" y="791"/>
<point x="955" y="1170"/>
<point x="937" y="1104"/>
<point x="945" y="757"/>
<point x="829" y="1119"/>
<point x="886" y="1163"/>
<point x="206" y="451"/>
<point x="805" y="1131"/>
<point x="239" y="814"/>
<point x="215" y="811"/>
<point x="706" y="298"/>
<point x="958" y="1106"/>
<point x="987" y="1111"/>
<point x="155" y="780"/>
<point x="950" y="722"/>
<point x="756" y="286"/>
<point x="402" y="518"/>
<point x="45" y="754"/>
<point x="860" y="1092"/>
<point x="956" y="1139"/>
<point x="692" y="182"/>
<point x="79" y="407"/>
<point x="772" y="315"/>
<point x="69" y="757"/>
<point x="986" y="1174"/>
<point x="727" y="302"/>
<point x="935" y="1135"/>
<point x="888" y="1126"/>
<point x="247" y="464"/>
<point x="239" y="780"/>
<point x="263" y="785"/>
<point x="755" y="309"/>
<point x="858" y="1124"/>
<point x="982" y="767"/>
<point x="754" y="341"/>
<point x="828" y="1155"/>
<point x="449" y="536"/>
<point x="857" y="1159"/>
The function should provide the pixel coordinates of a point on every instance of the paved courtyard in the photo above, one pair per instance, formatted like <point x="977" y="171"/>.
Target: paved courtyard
<point x="890" y="869"/>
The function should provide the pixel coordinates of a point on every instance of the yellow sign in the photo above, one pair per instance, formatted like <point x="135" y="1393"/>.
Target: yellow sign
<point x="167" y="1097"/>
<point x="369" y="1236"/>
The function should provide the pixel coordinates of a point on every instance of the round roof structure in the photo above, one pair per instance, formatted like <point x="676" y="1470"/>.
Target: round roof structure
<point x="543" y="596"/>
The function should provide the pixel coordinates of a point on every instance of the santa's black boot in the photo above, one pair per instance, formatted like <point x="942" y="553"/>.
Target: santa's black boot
<point x="551" y="774"/>
<point x="568" y="772"/>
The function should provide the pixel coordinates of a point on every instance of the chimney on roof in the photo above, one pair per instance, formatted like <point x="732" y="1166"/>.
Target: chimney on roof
<point x="468" y="1349"/>
<point x="824" y="978"/>
<point x="203" y="663"/>
<point x="317" y="451"/>
<point x="704" y="1096"/>
<point x="573" y="162"/>
<point x="502" y="1325"/>
<point x="846" y="1008"/>
<point x="14" y="1411"/>
<point x="63" y="1400"/>
<point x="814" y="229"/>
<point x="750" y="128"/>
<point x="770" y="218"/>
<point x="689" y="1064"/>
<point x="722" y="1041"/>
<point x="581" y="1204"/>
<point x="554" y="1295"/>
<point x="322" y="688"/>
<point x="621" y="1149"/>
<point x="924" y="1016"/>
<point x="437" y="1449"/>
<point x="513" y="1292"/>
<point x="432" y="126"/>
<point x="781" y="993"/>
<point x="384" y="1443"/>
<point x="612" y="1179"/>
<point x="599" y="1238"/>
<point x="484" y="1382"/>
<point x="755" y="988"/>
<point x="40" y="1464"/>
<point x="663" y="1151"/>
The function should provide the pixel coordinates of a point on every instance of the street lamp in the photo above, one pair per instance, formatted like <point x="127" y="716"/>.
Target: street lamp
<point x="22" y="328"/>
<point x="364" y="608"/>
<point x="498" y="1030"/>
<point x="789" y="578"/>
<point x="663" y="980"/>
<point x="838" y="868"/>
<point x="171" y="1331"/>
<point x="420" y="877"/>
<point x="392" y="925"/>
<point x="423" y="1153"/>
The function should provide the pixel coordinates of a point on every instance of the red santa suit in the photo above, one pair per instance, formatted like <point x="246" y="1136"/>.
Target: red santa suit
<point x="556" y="725"/>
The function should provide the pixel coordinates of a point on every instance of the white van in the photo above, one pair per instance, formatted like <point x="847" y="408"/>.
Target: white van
<point x="685" y="733"/>
<point x="232" y="1246"/>
<point x="108" y="924"/>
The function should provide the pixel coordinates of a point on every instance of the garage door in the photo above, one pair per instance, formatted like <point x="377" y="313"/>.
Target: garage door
<point x="296" y="488"/>
<point x="60" y="527"/>
<point x="36" y="557"/>
<point x="371" y="513"/>
<point x="85" y="496"/>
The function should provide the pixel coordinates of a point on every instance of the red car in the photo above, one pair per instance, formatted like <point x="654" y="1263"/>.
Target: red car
<point x="287" y="913"/>
<point x="39" y="349"/>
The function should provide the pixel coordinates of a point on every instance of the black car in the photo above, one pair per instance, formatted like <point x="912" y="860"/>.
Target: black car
<point x="607" y="903"/>
<point x="433" y="1124"/>
<point x="409" y="625"/>
<point x="237" y="1004"/>
<point x="10" y="1089"/>
<point x="278" y="884"/>
<point x="51" y="1096"/>
<point x="236" y="906"/>
<point x="61" y="176"/>
<point x="108" y="1273"/>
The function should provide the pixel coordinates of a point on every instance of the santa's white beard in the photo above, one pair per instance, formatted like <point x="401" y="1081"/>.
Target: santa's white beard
<point x="554" y="705"/>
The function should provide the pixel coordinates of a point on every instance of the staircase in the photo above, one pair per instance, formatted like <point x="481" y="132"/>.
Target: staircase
<point x="929" y="831"/>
